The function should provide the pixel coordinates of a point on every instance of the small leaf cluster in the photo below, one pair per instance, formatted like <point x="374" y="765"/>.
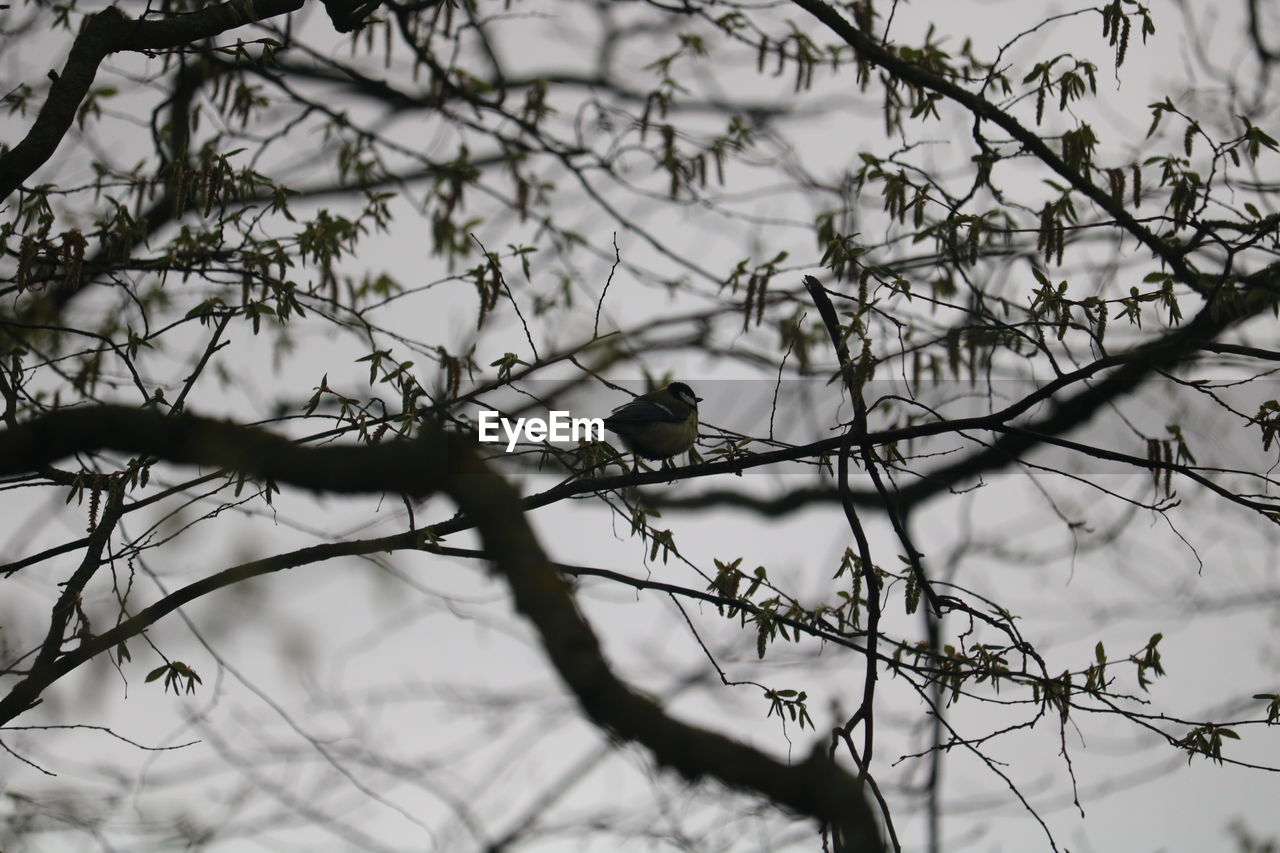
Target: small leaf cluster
<point x="176" y="674"/>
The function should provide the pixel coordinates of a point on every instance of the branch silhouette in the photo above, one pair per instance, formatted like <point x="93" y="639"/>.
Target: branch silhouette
<point x="447" y="463"/>
<point x="112" y="31"/>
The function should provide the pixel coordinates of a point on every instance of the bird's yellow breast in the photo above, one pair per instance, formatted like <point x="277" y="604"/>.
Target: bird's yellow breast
<point x="658" y="440"/>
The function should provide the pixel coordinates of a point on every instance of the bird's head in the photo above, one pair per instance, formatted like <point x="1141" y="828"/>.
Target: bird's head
<point x="684" y="394"/>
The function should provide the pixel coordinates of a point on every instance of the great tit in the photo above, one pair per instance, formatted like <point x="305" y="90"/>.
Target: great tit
<point x="660" y="424"/>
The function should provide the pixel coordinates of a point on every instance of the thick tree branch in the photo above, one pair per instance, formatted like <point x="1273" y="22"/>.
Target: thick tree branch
<point x="816" y="787"/>
<point x="111" y="31"/>
<point x="770" y="506"/>
<point x="189" y="440"/>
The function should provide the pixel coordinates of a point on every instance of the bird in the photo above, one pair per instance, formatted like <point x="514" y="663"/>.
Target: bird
<point x="660" y="424"/>
<point x="349" y="15"/>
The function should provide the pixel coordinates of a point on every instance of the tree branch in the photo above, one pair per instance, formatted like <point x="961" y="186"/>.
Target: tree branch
<point x="874" y="52"/>
<point x="447" y="462"/>
<point x="111" y="31"/>
<point x="400" y="466"/>
<point x="396" y="466"/>
<point x="817" y="787"/>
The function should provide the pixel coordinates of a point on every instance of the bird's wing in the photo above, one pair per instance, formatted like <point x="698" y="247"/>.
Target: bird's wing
<point x="645" y="411"/>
